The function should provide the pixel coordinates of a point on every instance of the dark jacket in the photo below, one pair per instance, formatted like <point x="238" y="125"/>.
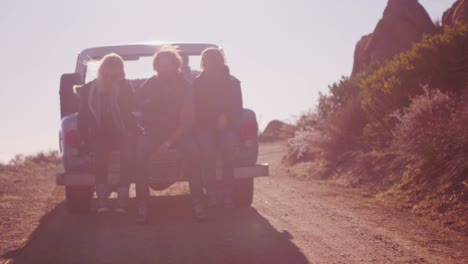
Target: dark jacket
<point x="88" y="126"/>
<point x="166" y="106"/>
<point x="215" y="96"/>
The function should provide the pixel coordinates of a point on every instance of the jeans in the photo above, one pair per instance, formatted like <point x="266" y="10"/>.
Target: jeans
<point x="186" y="147"/>
<point x="214" y="144"/>
<point x="103" y="145"/>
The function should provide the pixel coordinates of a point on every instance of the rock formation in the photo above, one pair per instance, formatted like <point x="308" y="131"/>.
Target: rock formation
<point x="276" y="130"/>
<point x="458" y="13"/>
<point x="403" y="23"/>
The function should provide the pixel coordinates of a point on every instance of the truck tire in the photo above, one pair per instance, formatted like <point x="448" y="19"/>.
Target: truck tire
<point x="243" y="192"/>
<point x="78" y="199"/>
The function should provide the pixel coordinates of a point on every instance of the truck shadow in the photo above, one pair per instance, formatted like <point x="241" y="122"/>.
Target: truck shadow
<point x="171" y="236"/>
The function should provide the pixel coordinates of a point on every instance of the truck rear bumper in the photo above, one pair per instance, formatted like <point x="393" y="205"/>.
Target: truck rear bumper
<point x="77" y="178"/>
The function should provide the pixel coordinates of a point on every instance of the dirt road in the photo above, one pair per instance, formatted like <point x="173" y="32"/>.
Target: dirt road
<point x="291" y="221"/>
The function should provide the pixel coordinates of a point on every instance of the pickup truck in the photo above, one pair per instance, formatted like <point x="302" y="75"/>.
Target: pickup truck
<point x="164" y="170"/>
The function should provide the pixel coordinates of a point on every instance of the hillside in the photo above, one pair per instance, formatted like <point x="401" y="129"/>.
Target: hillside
<point x="396" y="128"/>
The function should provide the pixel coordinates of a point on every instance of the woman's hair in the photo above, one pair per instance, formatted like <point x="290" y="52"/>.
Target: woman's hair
<point x="212" y="56"/>
<point x="170" y="51"/>
<point x="110" y="61"/>
<point x="106" y="63"/>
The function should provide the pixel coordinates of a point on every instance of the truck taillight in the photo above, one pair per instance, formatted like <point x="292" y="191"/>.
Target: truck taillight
<point x="72" y="138"/>
<point x="248" y="130"/>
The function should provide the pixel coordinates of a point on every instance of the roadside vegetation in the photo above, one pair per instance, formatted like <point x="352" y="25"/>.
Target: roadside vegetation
<point x="26" y="184"/>
<point x="22" y="161"/>
<point x="399" y="129"/>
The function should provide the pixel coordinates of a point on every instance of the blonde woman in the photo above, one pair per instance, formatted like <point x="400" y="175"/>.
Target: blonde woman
<point x="106" y="123"/>
<point x="218" y="110"/>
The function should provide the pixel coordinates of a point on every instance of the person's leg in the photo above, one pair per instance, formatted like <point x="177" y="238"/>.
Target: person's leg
<point x="207" y="142"/>
<point x="127" y="167"/>
<point x="144" y="149"/>
<point x="228" y="143"/>
<point x="190" y="155"/>
<point x="101" y="157"/>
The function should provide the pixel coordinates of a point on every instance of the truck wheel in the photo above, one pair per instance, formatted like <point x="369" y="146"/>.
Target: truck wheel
<point x="243" y="192"/>
<point x="78" y="198"/>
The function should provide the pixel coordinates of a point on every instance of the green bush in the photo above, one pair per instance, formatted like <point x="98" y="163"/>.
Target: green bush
<point x="339" y="93"/>
<point x="439" y="61"/>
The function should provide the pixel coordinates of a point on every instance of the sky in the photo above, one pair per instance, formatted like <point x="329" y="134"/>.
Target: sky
<point x="284" y="52"/>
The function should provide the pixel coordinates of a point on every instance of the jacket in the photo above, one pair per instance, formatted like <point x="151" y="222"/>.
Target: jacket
<point x="215" y="96"/>
<point x="88" y="123"/>
<point x="166" y="106"/>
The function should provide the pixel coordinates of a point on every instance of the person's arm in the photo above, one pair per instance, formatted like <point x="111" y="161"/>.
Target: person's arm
<point x="196" y="104"/>
<point x="143" y="92"/>
<point x="235" y="104"/>
<point x="186" y="118"/>
<point x="128" y="102"/>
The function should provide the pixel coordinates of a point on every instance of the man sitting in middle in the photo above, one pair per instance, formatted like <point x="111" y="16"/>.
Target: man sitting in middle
<point x="167" y="108"/>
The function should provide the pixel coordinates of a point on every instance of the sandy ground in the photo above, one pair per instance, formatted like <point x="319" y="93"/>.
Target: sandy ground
<point x="290" y="221"/>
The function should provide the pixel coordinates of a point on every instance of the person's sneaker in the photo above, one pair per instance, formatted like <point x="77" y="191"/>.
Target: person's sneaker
<point x="142" y="215"/>
<point x="200" y="213"/>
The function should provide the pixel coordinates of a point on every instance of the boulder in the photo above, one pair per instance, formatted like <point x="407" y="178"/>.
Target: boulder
<point x="276" y="130"/>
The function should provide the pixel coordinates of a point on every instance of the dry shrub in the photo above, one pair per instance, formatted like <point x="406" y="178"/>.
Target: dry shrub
<point x="435" y="128"/>
<point x="328" y="138"/>
<point x="19" y="161"/>
<point x="49" y="157"/>
<point x="306" y="144"/>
